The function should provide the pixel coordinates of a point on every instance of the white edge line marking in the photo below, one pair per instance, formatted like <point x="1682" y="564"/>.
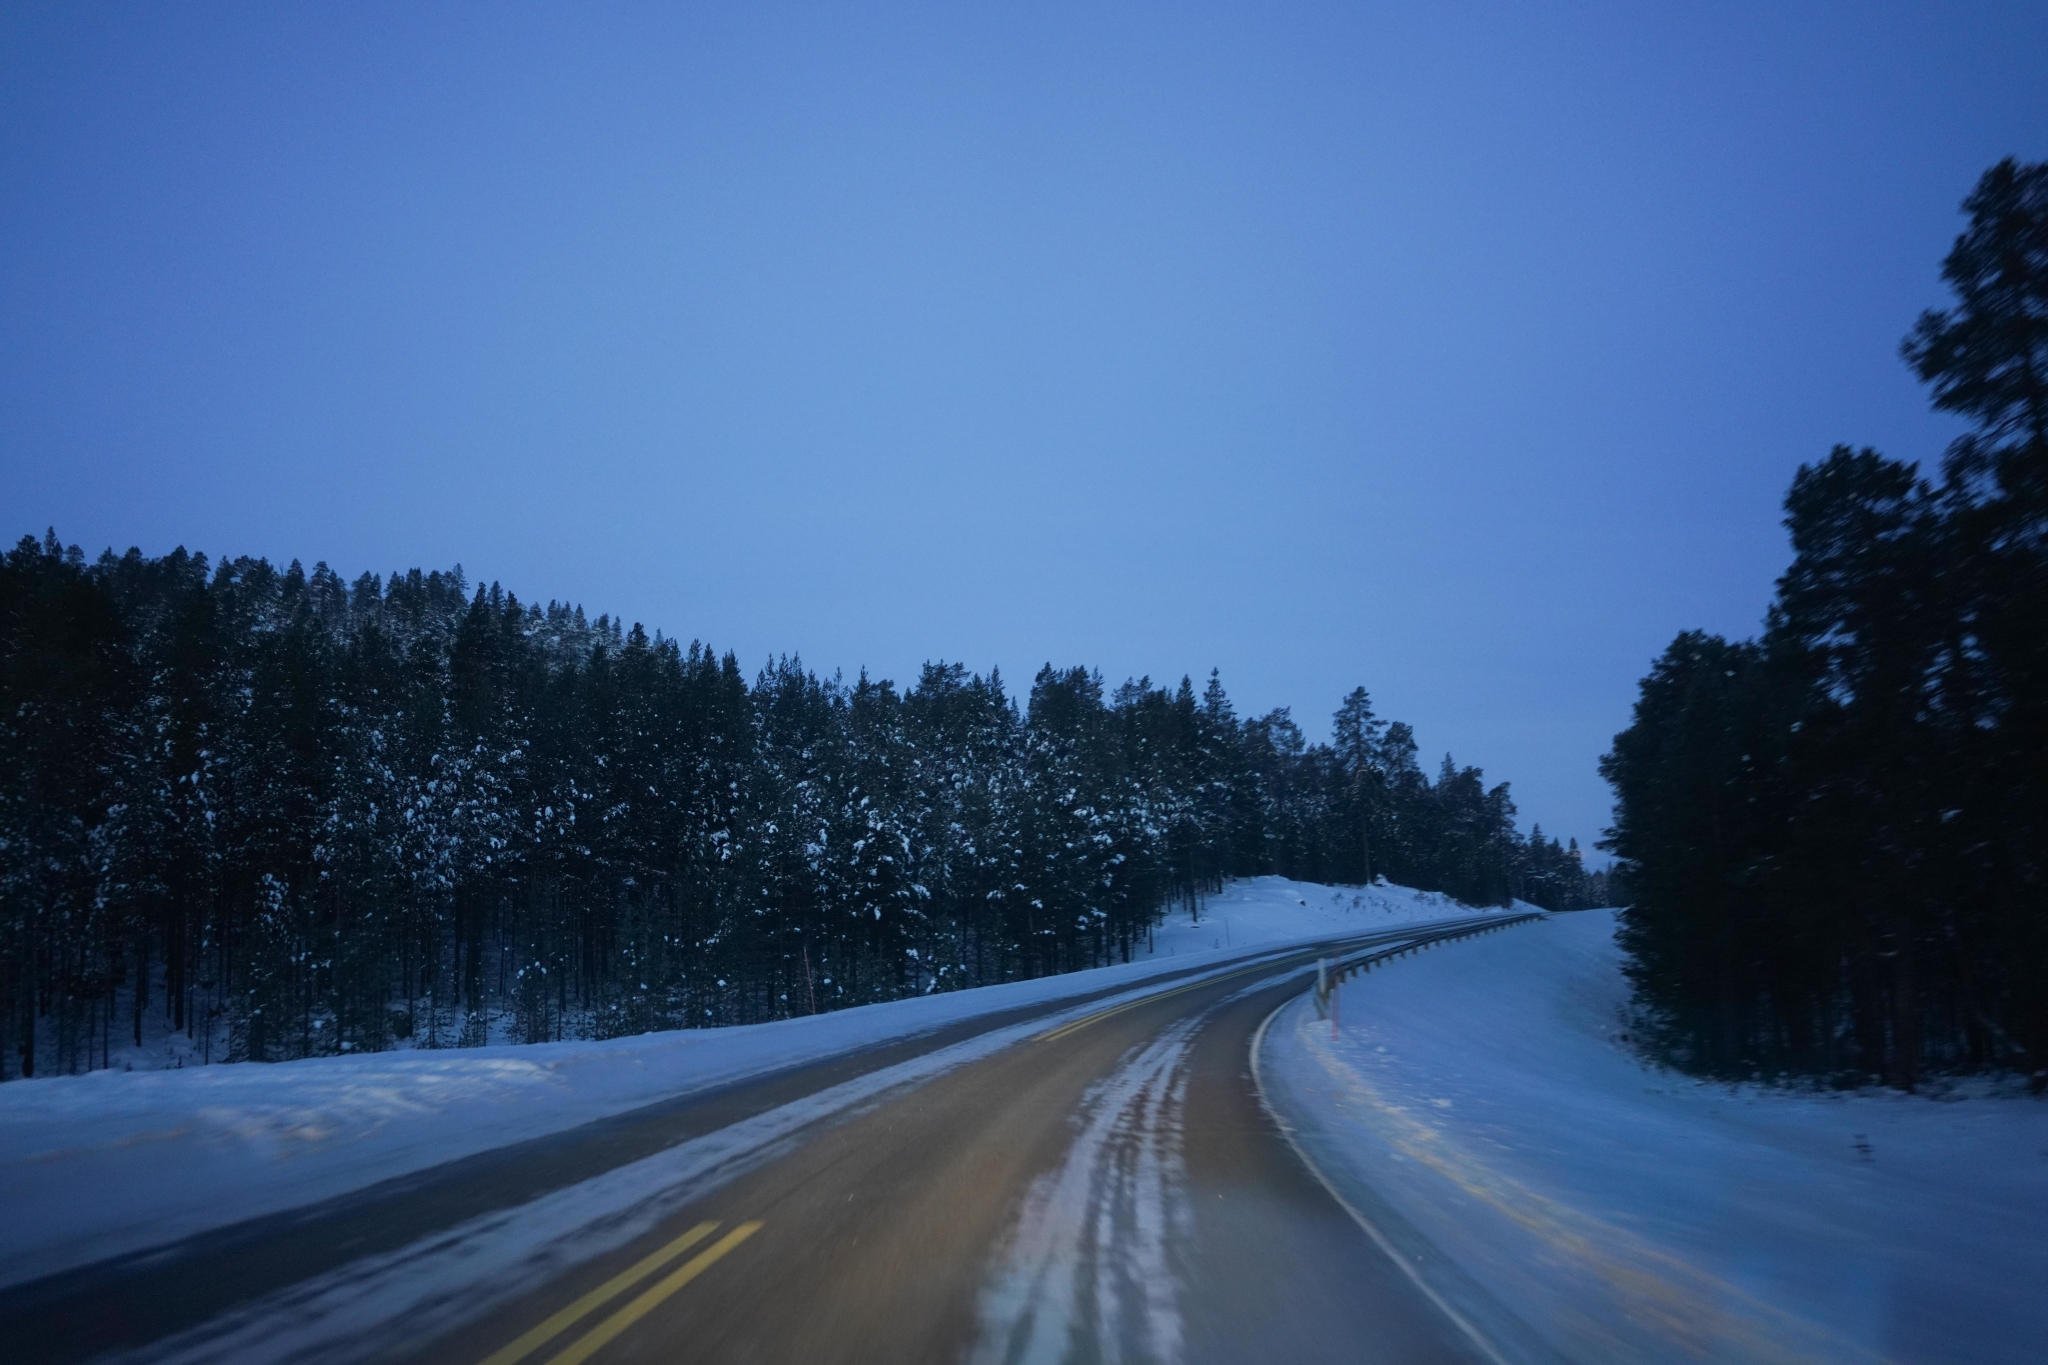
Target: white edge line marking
<point x="1486" y="1348"/>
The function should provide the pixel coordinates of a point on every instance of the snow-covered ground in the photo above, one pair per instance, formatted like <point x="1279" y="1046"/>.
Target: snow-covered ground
<point x="1479" y="1107"/>
<point x="116" y="1161"/>
<point x="1275" y="910"/>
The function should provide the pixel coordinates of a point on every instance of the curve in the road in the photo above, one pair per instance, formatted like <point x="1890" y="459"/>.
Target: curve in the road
<point x="1111" y="1188"/>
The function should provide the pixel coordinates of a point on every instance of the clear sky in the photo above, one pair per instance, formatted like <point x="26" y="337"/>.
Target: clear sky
<point x="1459" y="350"/>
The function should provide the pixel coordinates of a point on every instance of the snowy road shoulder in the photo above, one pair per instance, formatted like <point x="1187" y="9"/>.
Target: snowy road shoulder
<point x="1586" y="1206"/>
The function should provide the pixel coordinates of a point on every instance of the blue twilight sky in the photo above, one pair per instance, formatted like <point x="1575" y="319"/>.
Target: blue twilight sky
<point x="1461" y="350"/>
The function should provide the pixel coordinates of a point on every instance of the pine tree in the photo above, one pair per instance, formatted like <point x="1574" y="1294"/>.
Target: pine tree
<point x="1862" y="790"/>
<point x="291" y="816"/>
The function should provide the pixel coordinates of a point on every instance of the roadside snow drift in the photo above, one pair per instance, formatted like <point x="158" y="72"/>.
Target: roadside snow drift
<point x="1479" y="1106"/>
<point x="114" y="1162"/>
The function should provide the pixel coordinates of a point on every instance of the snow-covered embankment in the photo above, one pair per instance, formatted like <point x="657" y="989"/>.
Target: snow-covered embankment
<point x="1479" y="1105"/>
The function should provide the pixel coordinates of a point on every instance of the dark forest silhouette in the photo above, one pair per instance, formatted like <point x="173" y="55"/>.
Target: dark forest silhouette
<point x="1835" y="833"/>
<point x="296" y="816"/>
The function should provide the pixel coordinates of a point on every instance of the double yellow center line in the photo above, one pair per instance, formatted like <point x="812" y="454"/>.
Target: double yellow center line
<point x="1270" y="964"/>
<point x="1279" y="962"/>
<point x="588" y="1344"/>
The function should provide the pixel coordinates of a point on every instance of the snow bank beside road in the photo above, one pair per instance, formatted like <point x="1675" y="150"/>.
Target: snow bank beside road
<point x="1479" y="1105"/>
<point x="1263" y="910"/>
<point x="99" y="1165"/>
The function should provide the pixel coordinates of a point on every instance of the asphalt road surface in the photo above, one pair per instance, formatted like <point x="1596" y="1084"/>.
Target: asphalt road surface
<point x="1107" y="1188"/>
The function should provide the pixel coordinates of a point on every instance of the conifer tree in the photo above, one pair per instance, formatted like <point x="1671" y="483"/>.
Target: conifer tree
<point x="1832" y="836"/>
<point x="281" y="815"/>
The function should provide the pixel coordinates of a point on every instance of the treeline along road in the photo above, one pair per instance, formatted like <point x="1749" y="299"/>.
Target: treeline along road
<point x="286" y="816"/>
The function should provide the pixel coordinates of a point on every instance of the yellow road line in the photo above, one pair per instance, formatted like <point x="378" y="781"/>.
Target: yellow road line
<point x="1271" y="964"/>
<point x="590" y="1342"/>
<point x="1054" y="1035"/>
<point x="598" y="1297"/>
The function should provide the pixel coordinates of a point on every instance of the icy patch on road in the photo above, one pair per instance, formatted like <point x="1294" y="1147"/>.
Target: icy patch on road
<point x="1090" y="1272"/>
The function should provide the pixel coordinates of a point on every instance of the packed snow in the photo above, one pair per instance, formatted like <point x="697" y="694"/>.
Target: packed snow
<point x="1482" y="1108"/>
<point x="1090" y="1260"/>
<point x="112" y="1162"/>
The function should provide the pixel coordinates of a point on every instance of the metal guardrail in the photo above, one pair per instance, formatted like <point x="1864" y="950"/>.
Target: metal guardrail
<point x="1334" y="972"/>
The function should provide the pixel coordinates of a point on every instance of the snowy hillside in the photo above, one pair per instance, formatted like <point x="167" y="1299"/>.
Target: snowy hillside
<point x="110" y="1162"/>
<point x="1274" y="910"/>
<point x="1480" y="1107"/>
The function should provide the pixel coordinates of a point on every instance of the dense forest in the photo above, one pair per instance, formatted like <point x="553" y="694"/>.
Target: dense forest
<point x="1835" y="833"/>
<point x="288" y="815"/>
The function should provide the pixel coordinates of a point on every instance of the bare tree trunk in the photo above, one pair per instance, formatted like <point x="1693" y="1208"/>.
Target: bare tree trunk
<point x="1905" y="1005"/>
<point x="141" y="981"/>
